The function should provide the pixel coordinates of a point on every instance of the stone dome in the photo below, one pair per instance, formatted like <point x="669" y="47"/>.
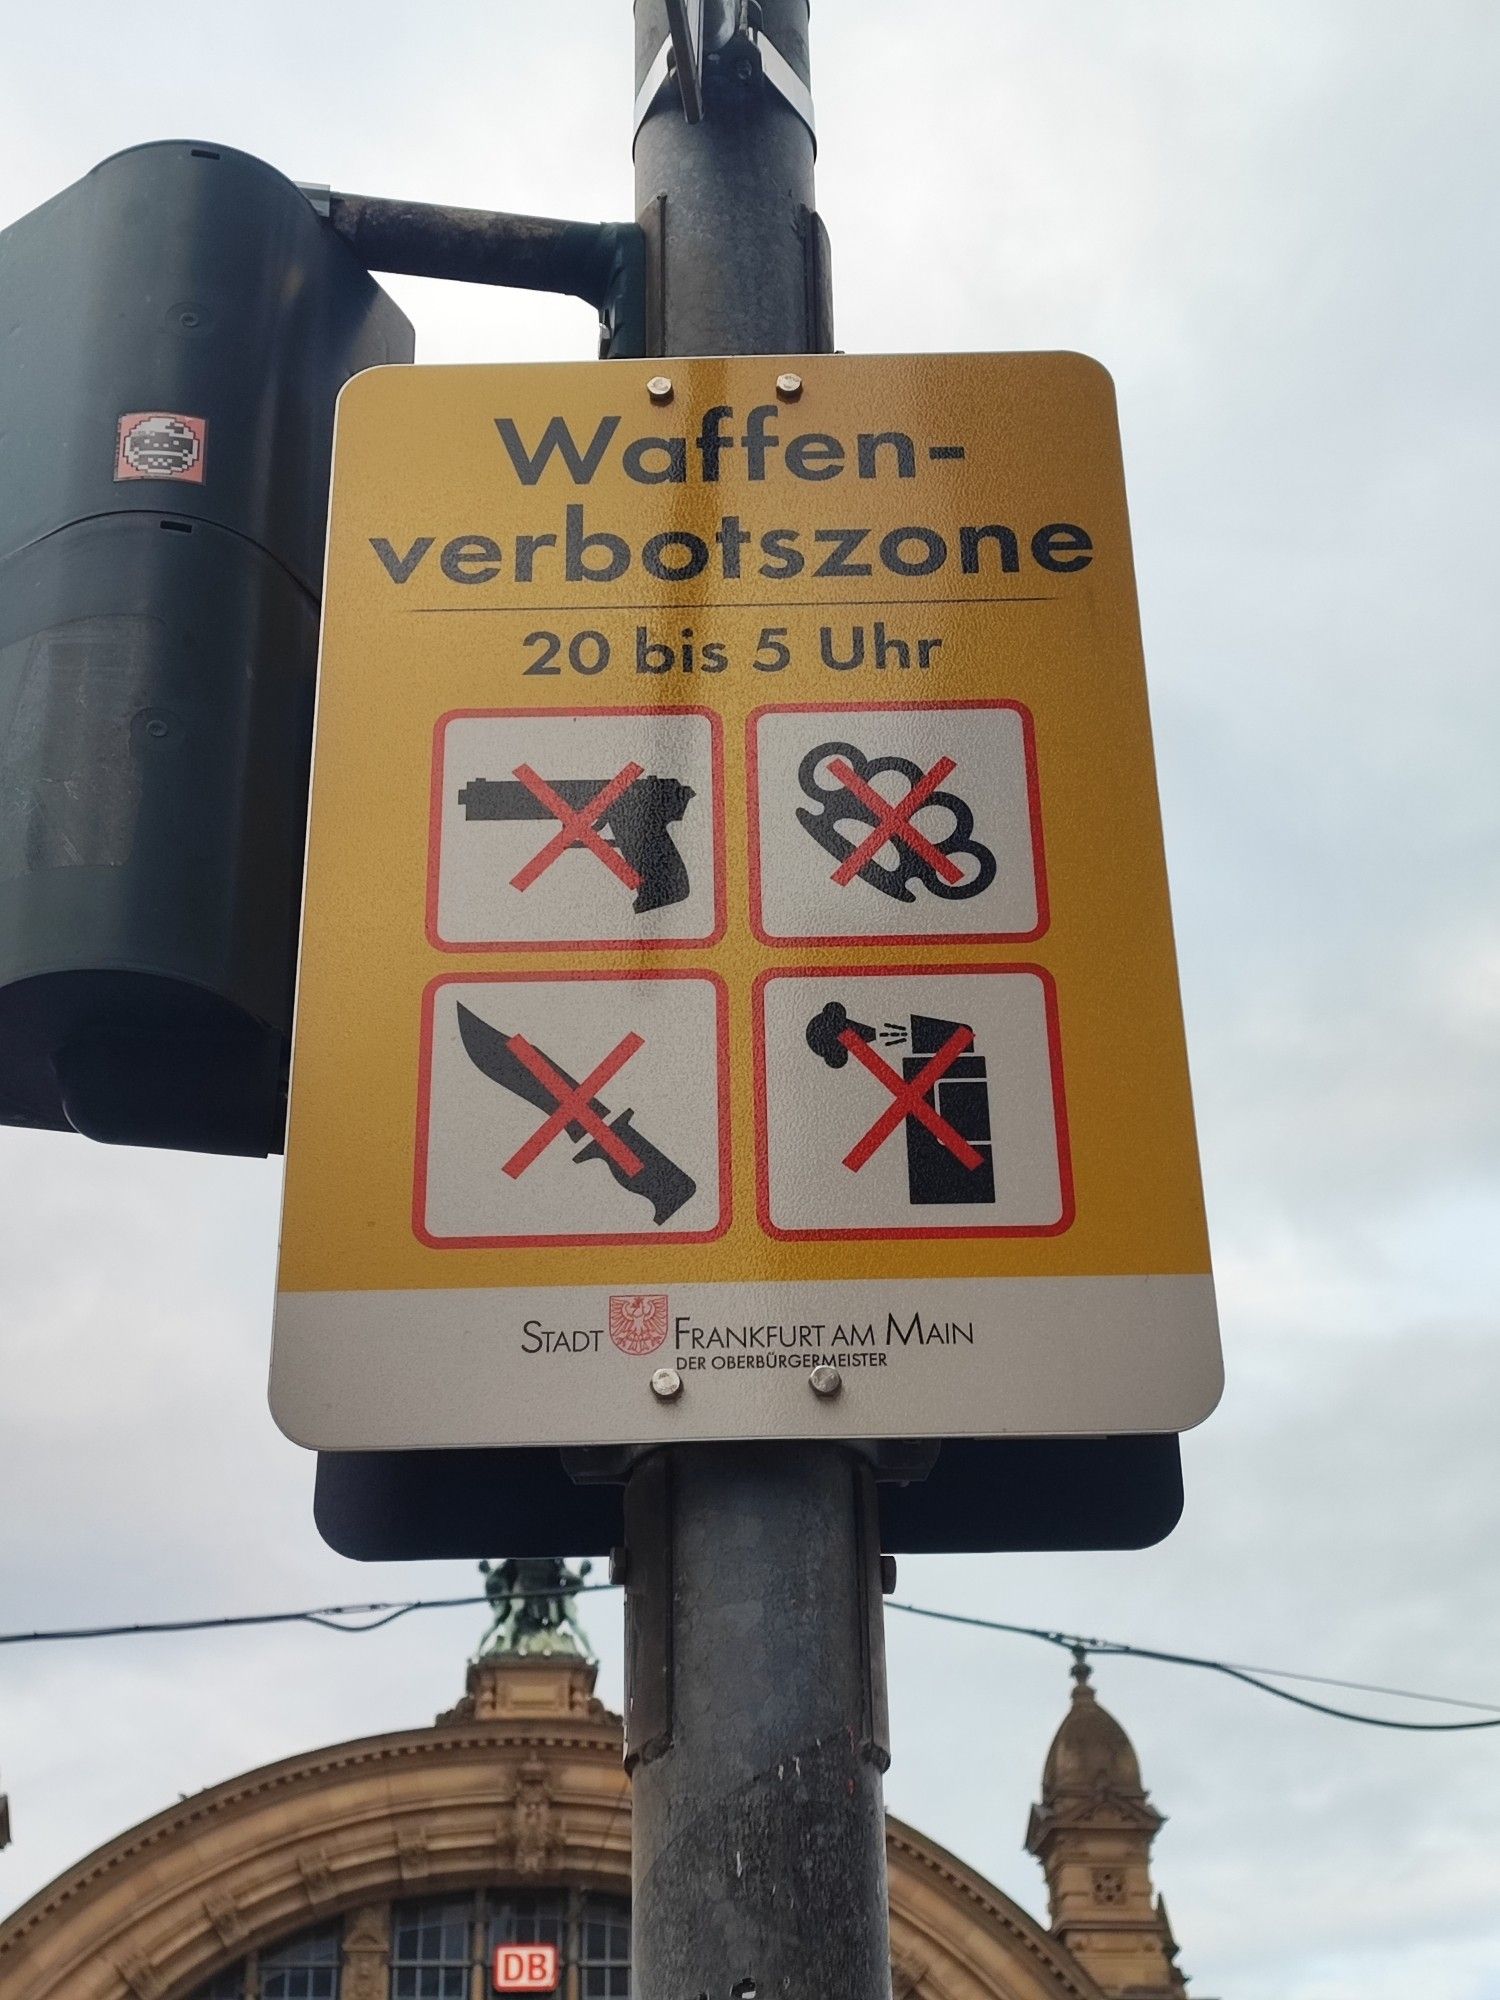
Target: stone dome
<point x="1090" y="1752"/>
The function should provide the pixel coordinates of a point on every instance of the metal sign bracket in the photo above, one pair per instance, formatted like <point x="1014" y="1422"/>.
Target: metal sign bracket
<point x="743" y="52"/>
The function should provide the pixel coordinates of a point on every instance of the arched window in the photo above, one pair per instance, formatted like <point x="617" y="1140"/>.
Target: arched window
<point x="443" y="1948"/>
<point x="432" y="1950"/>
<point x="305" y="1967"/>
<point x="604" y="1961"/>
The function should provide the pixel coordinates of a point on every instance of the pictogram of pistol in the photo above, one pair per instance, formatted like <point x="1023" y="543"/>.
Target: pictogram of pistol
<point x="637" y="822"/>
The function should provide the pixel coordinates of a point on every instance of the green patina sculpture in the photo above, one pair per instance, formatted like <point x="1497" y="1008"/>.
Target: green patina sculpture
<point x="531" y="1599"/>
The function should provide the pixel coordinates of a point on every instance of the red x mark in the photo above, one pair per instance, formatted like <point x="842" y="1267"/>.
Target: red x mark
<point x="908" y="1100"/>
<point x="893" y="822"/>
<point x="577" y="829"/>
<point x="573" y="1107"/>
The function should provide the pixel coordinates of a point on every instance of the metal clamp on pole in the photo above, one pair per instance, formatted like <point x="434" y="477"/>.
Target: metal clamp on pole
<point x="719" y="42"/>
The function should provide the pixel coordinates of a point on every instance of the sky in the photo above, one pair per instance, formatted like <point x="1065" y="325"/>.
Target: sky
<point x="1275" y="224"/>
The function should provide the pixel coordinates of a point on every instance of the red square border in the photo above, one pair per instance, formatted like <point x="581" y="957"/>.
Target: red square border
<point x="435" y="822"/>
<point x="1059" y="1107"/>
<point x="424" y="1116"/>
<point x="905" y="938"/>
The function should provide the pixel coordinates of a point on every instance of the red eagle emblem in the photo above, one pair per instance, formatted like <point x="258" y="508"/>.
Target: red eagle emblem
<point x="638" y="1321"/>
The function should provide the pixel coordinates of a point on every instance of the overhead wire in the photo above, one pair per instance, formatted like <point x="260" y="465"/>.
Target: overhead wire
<point x="371" y="1617"/>
<point x="1084" y="1646"/>
<point x="329" y="1616"/>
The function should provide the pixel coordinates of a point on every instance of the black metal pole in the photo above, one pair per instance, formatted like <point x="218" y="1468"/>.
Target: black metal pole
<point x="755" y="1674"/>
<point x="739" y="261"/>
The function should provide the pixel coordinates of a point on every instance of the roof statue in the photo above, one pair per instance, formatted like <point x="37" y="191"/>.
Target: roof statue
<point x="531" y="1602"/>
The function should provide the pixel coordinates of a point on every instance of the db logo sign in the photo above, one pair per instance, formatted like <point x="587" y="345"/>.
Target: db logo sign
<point x="525" y="1968"/>
<point x="638" y="1321"/>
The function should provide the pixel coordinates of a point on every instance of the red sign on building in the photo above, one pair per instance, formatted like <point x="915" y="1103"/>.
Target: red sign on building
<point x="526" y="1968"/>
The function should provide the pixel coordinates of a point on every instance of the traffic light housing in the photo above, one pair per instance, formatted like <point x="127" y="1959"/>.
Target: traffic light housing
<point x="178" y="325"/>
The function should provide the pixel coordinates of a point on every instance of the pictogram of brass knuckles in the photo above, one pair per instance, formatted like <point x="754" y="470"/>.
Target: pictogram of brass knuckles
<point x="836" y="804"/>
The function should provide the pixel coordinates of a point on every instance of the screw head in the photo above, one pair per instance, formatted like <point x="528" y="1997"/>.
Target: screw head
<point x="666" y="1383"/>
<point x="825" y="1381"/>
<point x="789" y="387"/>
<point x="659" y="388"/>
<point x="887" y="1575"/>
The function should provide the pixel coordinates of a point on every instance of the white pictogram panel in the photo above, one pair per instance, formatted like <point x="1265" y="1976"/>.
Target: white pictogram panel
<point x="903" y="821"/>
<point x="597" y="828"/>
<point x="914" y="1102"/>
<point x="570" y="1108"/>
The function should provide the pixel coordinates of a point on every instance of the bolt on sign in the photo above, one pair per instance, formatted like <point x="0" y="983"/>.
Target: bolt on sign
<point x="737" y="946"/>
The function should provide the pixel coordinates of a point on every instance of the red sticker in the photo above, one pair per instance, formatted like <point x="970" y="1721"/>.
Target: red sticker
<point x="160" y="444"/>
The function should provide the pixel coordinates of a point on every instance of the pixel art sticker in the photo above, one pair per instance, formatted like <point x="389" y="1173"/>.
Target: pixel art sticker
<point x="158" y="444"/>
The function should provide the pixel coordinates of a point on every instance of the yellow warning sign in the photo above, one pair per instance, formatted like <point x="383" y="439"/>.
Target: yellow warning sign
<point x="737" y="988"/>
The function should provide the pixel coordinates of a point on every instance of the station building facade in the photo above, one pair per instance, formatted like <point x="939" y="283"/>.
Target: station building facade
<point x="390" y="1867"/>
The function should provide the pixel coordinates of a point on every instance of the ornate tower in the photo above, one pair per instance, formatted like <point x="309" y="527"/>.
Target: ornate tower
<point x="1092" y="1834"/>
